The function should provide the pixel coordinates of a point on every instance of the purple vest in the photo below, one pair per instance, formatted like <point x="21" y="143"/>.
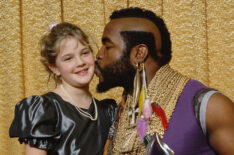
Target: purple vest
<point x="184" y="135"/>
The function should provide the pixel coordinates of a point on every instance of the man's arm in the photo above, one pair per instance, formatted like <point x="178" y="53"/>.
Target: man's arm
<point x="29" y="150"/>
<point x="220" y="124"/>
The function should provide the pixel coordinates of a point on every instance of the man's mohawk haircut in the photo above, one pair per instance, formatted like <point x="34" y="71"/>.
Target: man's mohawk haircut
<point x="159" y="23"/>
<point x="133" y="12"/>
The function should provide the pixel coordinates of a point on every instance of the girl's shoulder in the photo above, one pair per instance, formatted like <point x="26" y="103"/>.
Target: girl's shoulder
<point x="109" y="108"/>
<point x="36" y="121"/>
<point x="106" y="103"/>
<point x="35" y="101"/>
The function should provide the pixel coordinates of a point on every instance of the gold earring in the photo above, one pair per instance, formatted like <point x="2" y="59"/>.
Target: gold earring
<point x="137" y="87"/>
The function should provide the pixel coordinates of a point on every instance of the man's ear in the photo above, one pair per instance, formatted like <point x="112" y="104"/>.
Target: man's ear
<point x="139" y="53"/>
<point x="54" y="69"/>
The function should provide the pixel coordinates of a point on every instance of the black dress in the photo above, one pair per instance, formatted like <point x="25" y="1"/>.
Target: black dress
<point x="48" y="122"/>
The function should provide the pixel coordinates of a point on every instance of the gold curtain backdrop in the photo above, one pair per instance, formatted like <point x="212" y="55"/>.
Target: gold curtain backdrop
<point x="201" y="33"/>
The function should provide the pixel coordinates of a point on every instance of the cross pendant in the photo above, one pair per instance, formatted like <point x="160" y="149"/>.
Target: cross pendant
<point x="132" y="113"/>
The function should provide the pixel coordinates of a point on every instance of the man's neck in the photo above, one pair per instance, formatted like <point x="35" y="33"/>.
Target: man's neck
<point x="151" y="67"/>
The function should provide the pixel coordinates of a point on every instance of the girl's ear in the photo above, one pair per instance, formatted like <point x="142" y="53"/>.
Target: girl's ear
<point x="54" y="69"/>
<point x="139" y="54"/>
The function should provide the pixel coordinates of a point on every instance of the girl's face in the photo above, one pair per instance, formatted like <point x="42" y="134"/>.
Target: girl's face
<point x="74" y="63"/>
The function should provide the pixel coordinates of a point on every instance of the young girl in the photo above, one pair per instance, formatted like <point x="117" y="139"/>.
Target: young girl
<point x="67" y="120"/>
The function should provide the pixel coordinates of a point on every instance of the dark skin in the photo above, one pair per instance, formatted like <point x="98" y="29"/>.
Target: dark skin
<point x="113" y="45"/>
<point x="220" y="109"/>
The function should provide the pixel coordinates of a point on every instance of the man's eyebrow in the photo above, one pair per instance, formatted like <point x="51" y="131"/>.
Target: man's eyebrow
<point x="105" y="40"/>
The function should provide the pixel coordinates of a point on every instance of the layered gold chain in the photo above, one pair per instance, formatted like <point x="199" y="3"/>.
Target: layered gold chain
<point x="164" y="89"/>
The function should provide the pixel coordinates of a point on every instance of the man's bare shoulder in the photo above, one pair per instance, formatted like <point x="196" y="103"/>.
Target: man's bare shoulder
<point x="220" y="123"/>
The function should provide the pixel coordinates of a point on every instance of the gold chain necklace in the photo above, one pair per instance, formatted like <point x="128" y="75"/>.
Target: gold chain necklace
<point x="82" y="112"/>
<point x="164" y="89"/>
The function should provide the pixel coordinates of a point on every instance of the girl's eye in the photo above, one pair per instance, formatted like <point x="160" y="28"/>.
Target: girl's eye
<point x="67" y="58"/>
<point x="85" y="52"/>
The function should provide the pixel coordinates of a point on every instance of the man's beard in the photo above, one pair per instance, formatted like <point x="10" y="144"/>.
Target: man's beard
<point x="120" y="73"/>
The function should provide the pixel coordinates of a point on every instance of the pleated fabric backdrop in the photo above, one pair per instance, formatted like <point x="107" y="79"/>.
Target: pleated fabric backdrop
<point x="201" y="32"/>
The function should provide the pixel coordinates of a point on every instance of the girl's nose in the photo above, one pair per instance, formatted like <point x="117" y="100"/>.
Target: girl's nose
<point x="80" y="61"/>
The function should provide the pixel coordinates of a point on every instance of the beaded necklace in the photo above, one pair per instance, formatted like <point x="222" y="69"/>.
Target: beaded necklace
<point x="82" y="112"/>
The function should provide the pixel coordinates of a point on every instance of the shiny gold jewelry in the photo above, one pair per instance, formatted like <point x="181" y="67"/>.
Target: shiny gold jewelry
<point x="137" y="87"/>
<point x="133" y="111"/>
<point x="82" y="112"/>
<point x="164" y="89"/>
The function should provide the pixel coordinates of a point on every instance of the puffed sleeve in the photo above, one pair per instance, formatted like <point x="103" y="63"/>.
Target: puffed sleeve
<point x="110" y="108"/>
<point x="36" y="122"/>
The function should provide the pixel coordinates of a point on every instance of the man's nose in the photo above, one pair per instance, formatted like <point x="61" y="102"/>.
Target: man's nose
<point x="100" y="54"/>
